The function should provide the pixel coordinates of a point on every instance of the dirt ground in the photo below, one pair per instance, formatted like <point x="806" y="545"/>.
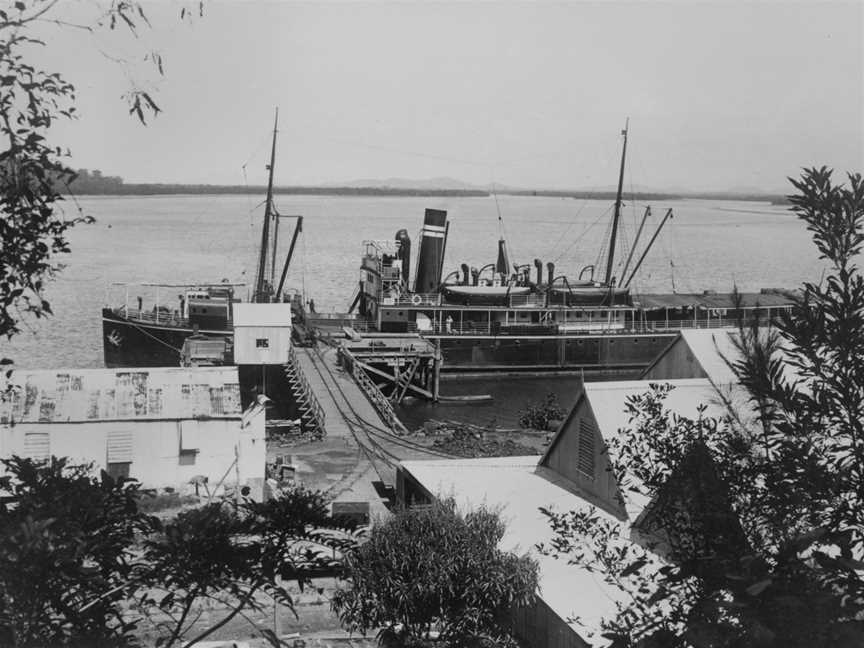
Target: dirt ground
<point x="339" y="468"/>
<point x="315" y="624"/>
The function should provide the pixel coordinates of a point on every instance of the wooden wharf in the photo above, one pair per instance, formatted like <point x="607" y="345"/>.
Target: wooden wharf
<point x="401" y="364"/>
<point x="355" y="409"/>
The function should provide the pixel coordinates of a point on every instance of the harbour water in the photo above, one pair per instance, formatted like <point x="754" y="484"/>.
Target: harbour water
<point x="709" y="245"/>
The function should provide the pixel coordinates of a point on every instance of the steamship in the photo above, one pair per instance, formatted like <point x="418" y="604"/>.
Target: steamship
<point x="505" y="317"/>
<point x="200" y="319"/>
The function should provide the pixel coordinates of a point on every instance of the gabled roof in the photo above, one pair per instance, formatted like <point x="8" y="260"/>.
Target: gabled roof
<point x="518" y="487"/>
<point x="607" y="402"/>
<point x="81" y="395"/>
<point x="711" y="348"/>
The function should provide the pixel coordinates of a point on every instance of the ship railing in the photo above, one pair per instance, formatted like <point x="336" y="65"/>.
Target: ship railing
<point x="464" y="329"/>
<point x="703" y="323"/>
<point x="527" y="301"/>
<point x="418" y="299"/>
<point x="154" y="316"/>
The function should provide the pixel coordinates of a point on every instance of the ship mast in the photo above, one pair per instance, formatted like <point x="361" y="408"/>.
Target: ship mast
<point x="262" y="294"/>
<point x="617" y="216"/>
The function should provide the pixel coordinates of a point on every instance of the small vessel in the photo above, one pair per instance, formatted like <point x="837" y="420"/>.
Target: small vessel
<point x="501" y="318"/>
<point x="154" y="336"/>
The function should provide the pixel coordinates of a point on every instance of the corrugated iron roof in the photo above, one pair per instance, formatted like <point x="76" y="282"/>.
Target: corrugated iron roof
<point x="518" y="487"/>
<point x="769" y="298"/>
<point x="80" y="395"/>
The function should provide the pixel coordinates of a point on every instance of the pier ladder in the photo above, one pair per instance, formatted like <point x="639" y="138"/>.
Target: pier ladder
<point x="311" y="413"/>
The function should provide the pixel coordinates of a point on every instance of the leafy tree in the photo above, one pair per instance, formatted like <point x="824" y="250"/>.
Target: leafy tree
<point x="33" y="172"/>
<point x="432" y="569"/>
<point x="230" y="553"/>
<point x="65" y="559"/>
<point x="755" y="531"/>
<point x="541" y="417"/>
<point x="81" y="565"/>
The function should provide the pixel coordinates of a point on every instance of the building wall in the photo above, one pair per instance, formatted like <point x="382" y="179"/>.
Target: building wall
<point x="247" y="351"/>
<point x="161" y="453"/>
<point x="579" y="456"/>
<point x="676" y="362"/>
<point x="539" y="627"/>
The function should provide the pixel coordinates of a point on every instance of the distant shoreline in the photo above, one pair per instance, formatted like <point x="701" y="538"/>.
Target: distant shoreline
<point x="216" y="190"/>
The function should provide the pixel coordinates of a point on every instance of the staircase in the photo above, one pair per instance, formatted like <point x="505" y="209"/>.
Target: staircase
<point x="311" y="413"/>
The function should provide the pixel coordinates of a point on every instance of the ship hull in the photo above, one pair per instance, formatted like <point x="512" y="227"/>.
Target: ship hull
<point x="127" y="343"/>
<point x="589" y="352"/>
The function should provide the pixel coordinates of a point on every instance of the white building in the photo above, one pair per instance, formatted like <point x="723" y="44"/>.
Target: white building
<point x="163" y="426"/>
<point x="572" y="475"/>
<point x="697" y="353"/>
<point x="262" y="334"/>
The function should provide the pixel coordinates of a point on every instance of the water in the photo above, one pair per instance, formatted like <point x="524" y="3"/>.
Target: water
<point x="707" y="245"/>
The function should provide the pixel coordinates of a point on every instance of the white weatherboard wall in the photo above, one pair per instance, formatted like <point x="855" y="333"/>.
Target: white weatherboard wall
<point x="262" y="333"/>
<point x="156" y="449"/>
<point x="160" y="426"/>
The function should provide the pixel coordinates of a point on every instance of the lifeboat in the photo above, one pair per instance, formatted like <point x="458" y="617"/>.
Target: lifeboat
<point x="589" y="294"/>
<point x="482" y="295"/>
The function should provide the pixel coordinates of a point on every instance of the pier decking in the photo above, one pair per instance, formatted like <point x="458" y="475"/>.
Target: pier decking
<point x="350" y="415"/>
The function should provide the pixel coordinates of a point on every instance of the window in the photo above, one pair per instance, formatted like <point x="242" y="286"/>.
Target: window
<point x="119" y="447"/>
<point x="262" y="343"/>
<point x="119" y="469"/>
<point x="189" y="442"/>
<point x="37" y="446"/>
<point x="585" y="456"/>
<point x="187" y="457"/>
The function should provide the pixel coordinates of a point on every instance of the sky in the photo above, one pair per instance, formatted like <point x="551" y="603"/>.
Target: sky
<point x="720" y="95"/>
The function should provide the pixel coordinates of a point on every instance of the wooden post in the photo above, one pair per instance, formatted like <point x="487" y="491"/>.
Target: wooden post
<point x="237" y="473"/>
<point x="436" y="373"/>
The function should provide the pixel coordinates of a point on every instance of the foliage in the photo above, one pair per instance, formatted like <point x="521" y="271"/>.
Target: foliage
<point x="540" y="417"/>
<point x="33" y="173"/>
<point x="65" y="555"/>
<point x="229" y="553"/>
<point x="81" y="565"/>
<point x="755" y="531"/>
<point x="432" y="569"/>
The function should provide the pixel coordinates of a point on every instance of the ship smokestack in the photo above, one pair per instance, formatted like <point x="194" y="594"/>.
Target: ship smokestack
<point x="466" y="275"/>
<point x="404" y="253"/>
<point x="475" y="276"/>
<point x="539" y="265"/>
<point x="433" y="241"/>
<point x="550" y="267"/>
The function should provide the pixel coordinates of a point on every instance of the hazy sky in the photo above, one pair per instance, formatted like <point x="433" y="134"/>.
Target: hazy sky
<point x="720" y="95"/>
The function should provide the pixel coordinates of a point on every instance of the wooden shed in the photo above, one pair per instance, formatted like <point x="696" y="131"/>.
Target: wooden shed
<point x="166" y="427"/>
<point x="262" y="334"/>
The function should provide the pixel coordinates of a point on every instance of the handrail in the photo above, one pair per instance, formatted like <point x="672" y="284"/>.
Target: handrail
<point x="307" y="391"/>
<point x="375" y="396"/>
<point x="168" y="318"/>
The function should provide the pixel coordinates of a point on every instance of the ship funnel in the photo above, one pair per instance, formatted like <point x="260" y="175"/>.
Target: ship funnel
<point x="502" y="265"/>
<point x="404" y="253"/>
<point x="475" y="276"/>
<point x="550" y="267"/>
<point x="466" y="275"/>
<point x="433" y="241"/>
<point x="539" y="265"/>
